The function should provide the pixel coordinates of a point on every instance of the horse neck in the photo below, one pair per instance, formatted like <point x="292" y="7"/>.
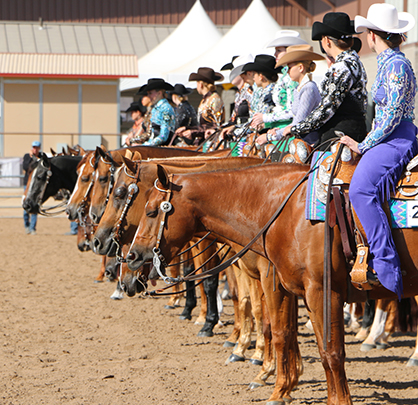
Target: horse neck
<point x="236" y="204"/>
<point x="65" y="168"/>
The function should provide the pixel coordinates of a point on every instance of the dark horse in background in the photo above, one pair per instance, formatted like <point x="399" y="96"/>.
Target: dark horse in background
<point x="48" y="176"/>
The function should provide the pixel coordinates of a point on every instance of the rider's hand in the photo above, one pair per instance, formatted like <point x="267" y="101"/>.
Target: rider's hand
<point x="262" y="139"/>
<point x="351" y="143"/>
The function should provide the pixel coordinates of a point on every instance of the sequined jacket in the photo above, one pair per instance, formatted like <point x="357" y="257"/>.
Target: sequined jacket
<point x="162" y="123"/>
<point x="282" y="98"/>
<point x="185" y="115"/>
<point x="242" y="104"/>
<point x="262" y="101"/>
<point x="345" y="79"/>
<point x="393" y="92"/>
<point x="210" y="114"/>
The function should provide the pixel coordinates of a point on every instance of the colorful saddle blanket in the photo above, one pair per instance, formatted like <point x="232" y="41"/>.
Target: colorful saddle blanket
<point x="404" y="213"/>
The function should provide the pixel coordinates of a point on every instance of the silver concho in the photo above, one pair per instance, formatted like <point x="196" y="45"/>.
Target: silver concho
<point x="49" y="173"/>
<point x="133" y="188"/>
<point x="166" y="206"/>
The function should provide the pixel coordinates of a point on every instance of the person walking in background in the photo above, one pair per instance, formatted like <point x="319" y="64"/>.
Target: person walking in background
<point x="30" y="220"/>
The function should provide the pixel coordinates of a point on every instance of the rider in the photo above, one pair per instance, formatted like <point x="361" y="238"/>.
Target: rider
<point x="344" y="94"/>
<point x="210" y="114"/>
<point x="391" y="143"/>
<point x="138" y="111"/>
<point x="162" y="114"/>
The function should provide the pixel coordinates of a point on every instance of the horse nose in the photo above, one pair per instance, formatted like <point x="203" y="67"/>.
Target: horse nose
<point x="26" y="205"/>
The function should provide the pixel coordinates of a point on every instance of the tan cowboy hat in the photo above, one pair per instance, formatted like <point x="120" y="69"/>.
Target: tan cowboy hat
<point x="298" y="53"/>
<point x="384" y="17"/>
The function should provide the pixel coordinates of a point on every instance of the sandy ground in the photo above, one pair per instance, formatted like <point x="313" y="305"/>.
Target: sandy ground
<point x="63" y="341"/>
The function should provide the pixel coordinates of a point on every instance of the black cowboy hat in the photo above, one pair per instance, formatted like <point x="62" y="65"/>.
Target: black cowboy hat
<point x="181" y="90"/>
<point x="141" y="91"/>
<point x="207" y="75"/>
<point x="137" y="106"/>
<point x="336" y="25"/>
<point x="229" y="66"/>
<point x="262" y="63"/>
<point x="156" y="84"/>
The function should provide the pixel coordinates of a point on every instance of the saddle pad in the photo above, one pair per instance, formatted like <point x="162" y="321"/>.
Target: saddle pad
<point x="237" y="148"/>
<point x="404" y="213"/>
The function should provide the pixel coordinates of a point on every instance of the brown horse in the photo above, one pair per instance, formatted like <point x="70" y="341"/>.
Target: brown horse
<point x="257" y="264"/>
<point x="236" y="205"/>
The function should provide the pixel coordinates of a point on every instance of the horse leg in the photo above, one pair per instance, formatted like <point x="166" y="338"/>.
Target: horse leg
<point x="333" y="357"/>
<point x="244" y="311"/>
<point x="413" y="360"/>
<point x="368" y="316"/>
<point x="100" y="276"/>
<point x="269" y="363"/>
<point x="378" y="326"/>
<point x="233" y="290"/>
<point x="174" y="300"/>
<point x="282" y="310"/>
<point x="190" y="293"/>
<point x="210" y="286"/>
<point x="256" y="293"/>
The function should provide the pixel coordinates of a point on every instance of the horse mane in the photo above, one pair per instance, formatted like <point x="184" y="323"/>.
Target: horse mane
<point x="85" y="158"/>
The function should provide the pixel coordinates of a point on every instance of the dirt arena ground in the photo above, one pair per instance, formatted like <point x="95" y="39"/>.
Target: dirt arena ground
<point x="64" y="341"/>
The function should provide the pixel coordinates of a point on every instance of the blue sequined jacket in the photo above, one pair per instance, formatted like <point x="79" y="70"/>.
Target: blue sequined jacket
<point x="393" y="92"/>
<point x="163" y="121"/>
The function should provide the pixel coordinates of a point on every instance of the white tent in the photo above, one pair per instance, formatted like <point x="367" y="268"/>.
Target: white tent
<point x="193" y="36"/>
<point x="250" y="34"/>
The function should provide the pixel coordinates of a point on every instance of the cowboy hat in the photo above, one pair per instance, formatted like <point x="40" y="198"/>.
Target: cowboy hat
<point x="298" y="53"/>
<point x="156" y="84"/>
<point x="137" y="106"/>
<point x="336" y="25"/>
<point x="239" y="64"/>
<point x="286" y="38"/>
<point x="181" y="90"/>
<point x="230" y="65"/>
<point x="207" y="75"/>
<point x="384" y="17"/>
<point x="262" y="63"/>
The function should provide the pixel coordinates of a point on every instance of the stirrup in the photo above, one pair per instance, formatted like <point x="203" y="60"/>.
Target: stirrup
<point x="360" y="269"/>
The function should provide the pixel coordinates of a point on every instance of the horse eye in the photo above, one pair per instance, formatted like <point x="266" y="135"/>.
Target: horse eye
<point x="120" y="192"/>
<point x="103" y="179"/>
<point x="85" y="179"/>
<point x="152" y="214"/>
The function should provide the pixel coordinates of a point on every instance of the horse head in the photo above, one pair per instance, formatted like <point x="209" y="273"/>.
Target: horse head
<point x="80" y="198"/>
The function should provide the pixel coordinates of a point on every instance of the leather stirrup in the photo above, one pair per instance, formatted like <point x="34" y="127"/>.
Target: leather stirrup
<point x="358" y="273"/>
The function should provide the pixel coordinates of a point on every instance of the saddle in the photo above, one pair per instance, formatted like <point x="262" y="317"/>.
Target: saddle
<point x="341" y="211"/>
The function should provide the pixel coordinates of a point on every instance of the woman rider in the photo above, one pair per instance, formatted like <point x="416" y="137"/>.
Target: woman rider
<point x="344" y="94"/>
<point x="391" y="143"/>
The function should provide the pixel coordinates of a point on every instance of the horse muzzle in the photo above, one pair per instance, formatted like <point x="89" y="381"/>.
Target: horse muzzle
<point x="137" y="257"/>
<point x="30" y="207"/>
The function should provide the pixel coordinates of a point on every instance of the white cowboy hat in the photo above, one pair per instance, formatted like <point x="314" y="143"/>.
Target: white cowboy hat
<point x="286" y="38"/>
<point x="384" y="17"/>
<point x="238" y="64"/>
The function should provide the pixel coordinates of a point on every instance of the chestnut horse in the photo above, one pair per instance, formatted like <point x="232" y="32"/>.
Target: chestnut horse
<point x="236" y="205"/>
<point x="254" y="265"/>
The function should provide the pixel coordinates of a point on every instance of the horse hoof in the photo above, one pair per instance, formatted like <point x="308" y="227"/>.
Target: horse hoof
<point x="229" y="344"/>
<point x="366" y="347"/>
<point x="382" y="346"/>
<point x="254" y="386"/>
<point x="185" y="317"/>
<point x="275" y="403"/>
<point x="98" y="281"/>
<point x="233" y="358"/>
<point x="205" y="333"/>
<point x="169" y="307"/>
<point x="256" y="362"/>
<point x="412" y="363"/>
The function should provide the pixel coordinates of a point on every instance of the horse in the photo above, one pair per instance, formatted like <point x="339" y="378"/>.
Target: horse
<point x="49" y="175"/>
<point x="235" y="204"/>
<point x="108" y="229"/>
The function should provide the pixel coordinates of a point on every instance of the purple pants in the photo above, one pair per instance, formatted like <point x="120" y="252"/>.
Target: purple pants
<point x="377" y="173"/>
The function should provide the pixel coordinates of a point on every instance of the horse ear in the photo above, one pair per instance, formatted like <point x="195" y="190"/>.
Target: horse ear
<point x="45" y="160"/>
<point x="128" y="154"/>
<point x="53" y="153"/>
<point x="103" y="148"/>
<point x="101" y="152"/>
<point x="163" y="176"/>
<point x="81" y="151"/>
<point x="64" y="152"/>
<point x="129" y="164"/>
<point x="136" y="156"/>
